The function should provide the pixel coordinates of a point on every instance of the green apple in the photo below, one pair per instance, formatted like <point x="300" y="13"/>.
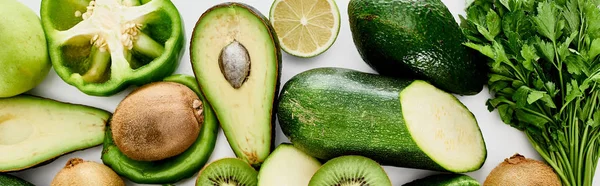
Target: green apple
<point x="24" y="60"/>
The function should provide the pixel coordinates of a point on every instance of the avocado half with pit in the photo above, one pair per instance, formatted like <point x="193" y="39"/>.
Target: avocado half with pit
<point x="236" y="58"/>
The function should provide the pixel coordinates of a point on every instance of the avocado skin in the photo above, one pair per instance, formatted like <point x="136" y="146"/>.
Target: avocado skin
<point x="415" y="39"/>
<point x="277" y="51"/>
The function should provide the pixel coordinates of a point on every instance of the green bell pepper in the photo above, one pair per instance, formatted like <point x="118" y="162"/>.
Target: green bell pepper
<point x="172" y="169"/>
<point x="103" y="46"/>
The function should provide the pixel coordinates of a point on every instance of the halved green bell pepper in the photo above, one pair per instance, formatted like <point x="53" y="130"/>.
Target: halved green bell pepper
<point x="103" y="46"/>
<point x="172" y="169"/>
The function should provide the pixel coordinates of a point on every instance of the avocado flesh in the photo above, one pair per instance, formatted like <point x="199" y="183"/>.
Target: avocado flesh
<point x="245" y="113"/>
<point x="34" y="130"/>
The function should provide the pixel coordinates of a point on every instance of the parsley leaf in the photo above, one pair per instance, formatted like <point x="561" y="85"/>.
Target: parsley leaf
<point x="546" y="20"/>
<point x="530" y="56"/>
<point x="493" y="23"/>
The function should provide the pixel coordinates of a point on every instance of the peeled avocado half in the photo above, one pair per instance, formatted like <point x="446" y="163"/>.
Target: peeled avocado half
<point x="236" y="58"/>
<point x="34" y="130"/>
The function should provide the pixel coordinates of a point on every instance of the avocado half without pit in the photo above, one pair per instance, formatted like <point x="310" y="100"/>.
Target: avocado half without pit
<point x="236" y="58"/>
<point x="161" y="133"/>
<point x="101" y="46"/>
<point x="35" y="130"/>
<point x="157" y="121"/>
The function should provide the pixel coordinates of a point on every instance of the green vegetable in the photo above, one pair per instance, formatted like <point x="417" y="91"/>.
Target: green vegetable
<point x="236" y="58"/>
<point x="288" y="166"/>
<point x="445" y="180"/>
<point x="414" y="39"/>
<point x="43" y="129"/>
<point x="9" y="180"/>
<point x="330" y="112"/>
<point x="543" y="59"/>
<point x="175" y="168"/>
<point x="101" y="47"/>
<point x="24" y="60"/>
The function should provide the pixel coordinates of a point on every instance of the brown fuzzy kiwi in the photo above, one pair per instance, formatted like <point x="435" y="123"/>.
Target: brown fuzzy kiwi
<point x="83" y="173"/>
<point x="157" y="121"/>
<point x="518" y="170"/>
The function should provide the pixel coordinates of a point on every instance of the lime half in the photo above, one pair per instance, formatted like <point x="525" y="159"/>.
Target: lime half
<point x="305" y="28"/>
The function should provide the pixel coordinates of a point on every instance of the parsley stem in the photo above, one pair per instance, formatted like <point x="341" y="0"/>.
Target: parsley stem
<point x="549" y="160"/>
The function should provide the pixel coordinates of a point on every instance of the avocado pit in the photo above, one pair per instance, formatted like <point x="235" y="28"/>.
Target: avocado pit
<point x="234" y="62"/>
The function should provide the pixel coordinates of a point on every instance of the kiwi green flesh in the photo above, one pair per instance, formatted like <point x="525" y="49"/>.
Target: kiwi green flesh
<point x="350" y="171"/>
<point x="228" y="172"/>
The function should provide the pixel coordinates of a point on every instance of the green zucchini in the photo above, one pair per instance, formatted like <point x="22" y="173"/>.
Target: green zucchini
<point x="330" y="112"/>
<point x="10" y="180"/>
<point x="445" y="180"/>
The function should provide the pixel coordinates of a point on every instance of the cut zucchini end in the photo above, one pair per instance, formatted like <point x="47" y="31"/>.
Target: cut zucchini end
<point x="289" y="166"/>
<point x="443" y="127"/>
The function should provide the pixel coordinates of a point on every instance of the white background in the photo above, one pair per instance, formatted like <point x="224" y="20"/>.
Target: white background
<point x="502" y="141"/>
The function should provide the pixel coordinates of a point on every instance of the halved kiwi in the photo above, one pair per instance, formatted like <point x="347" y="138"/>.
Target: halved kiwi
<point x="350" y="170"/>
<point x="228" y="171"/>
<point x="157" y="121"/>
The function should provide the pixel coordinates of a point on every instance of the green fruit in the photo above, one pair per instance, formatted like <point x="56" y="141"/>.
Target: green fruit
<point x="175" y="168"/>
<point x="414" y="39"/>
<point x="43" y="129"/>
<point x="445" y="180"/>
<point x="236" y="58"/>
<point x="227" y="171"/>
<point x="350" y="170"/>
<point x="9" y="180"/>
<point x="24" y="60"/>
<point x="330" y="112"/>
<point x="288" y="166"/>
<point x="157" y="121"/>
<point x="80" y="172"/>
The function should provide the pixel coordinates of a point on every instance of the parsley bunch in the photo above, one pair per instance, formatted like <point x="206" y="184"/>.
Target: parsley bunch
<point x="544" y="63"/>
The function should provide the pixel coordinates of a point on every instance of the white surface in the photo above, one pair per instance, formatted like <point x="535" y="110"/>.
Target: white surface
<point x="502" y="141"/>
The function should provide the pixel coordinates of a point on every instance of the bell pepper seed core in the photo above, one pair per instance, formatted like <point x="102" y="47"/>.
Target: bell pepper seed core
<point x="104" y="14"/>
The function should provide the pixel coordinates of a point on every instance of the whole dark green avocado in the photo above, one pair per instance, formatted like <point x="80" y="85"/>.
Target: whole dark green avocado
<point x="415" y="39"/>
